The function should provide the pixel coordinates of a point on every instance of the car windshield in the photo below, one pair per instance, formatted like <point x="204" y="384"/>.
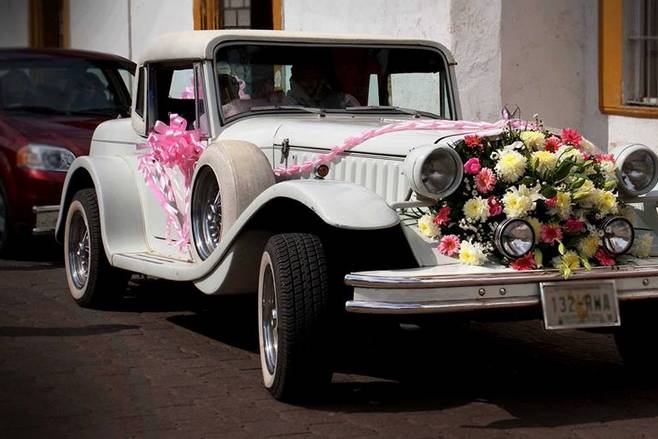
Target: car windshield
<point x="65" y="86"/>
<point x="268" y="77"/>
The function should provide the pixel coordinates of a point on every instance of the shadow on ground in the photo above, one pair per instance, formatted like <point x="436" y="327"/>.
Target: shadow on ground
<point x="33" y="253"/>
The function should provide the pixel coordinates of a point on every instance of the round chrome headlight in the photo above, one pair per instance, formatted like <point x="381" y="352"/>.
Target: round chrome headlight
<point x="433" y="171"/>
<point x="618" y="235"/>
<point x="637" y="169"/>
<point x="514" y="238"/>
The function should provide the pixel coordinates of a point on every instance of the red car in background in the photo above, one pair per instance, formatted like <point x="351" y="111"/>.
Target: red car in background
<point x="51" y="100"/>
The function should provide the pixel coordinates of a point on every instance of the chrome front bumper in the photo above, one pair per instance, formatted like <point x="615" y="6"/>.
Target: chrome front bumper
<point x="46" y="219"/>
<point x="428" y="291"/>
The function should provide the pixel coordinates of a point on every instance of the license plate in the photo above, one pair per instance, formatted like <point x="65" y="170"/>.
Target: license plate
<point x="572" y="305"/>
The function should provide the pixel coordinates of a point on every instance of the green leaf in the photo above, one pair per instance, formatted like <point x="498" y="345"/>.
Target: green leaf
<point x="585" y="263"/>
<point x="548" y="191"/>
<point x="578" y="183"/>
<point x="527" y="180"/>
<point x="560" y="248"/>
<point x="539" y="258"/>
<point x="566" y="272"/>
<point x="610" y="184"/>
<point x="563" y="170"/>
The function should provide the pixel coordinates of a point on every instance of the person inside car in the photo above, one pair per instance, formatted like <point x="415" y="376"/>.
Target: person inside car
<point x="90" y="94"/>
<point x="310" y="87"/>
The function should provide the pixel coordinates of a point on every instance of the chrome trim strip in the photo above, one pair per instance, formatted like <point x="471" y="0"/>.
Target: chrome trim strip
<point x="484" y="279"/>
<point x="436" y="307"/>
<point x="45" y="209"/>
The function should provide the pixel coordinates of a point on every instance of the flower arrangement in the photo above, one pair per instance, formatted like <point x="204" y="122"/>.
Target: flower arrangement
<point x="558" y="184"/>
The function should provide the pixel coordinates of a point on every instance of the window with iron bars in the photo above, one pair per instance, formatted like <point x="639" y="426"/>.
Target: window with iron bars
<point x="641" y="52"/>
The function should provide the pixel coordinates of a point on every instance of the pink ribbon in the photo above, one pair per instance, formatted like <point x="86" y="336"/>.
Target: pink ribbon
<point x="413" y="125"/>
<point x="170" y="148"/>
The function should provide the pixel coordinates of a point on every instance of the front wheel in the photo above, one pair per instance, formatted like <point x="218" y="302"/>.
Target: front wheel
<point x="92" y="280"/>
<point x="294" y="317"/>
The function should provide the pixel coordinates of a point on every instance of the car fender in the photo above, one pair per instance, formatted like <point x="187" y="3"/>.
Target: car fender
<point x="121" y="218"/>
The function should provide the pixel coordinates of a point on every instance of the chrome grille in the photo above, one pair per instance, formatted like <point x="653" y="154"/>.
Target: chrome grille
<point x="383" y="176"/>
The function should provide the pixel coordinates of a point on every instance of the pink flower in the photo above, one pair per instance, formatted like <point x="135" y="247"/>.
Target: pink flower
<point x="443" y="216"/>
<point x="473" y="141"/>
<point x="449" y="245"/>
<point x="494" y="206"/>
<point x="571" y="137"/>
<point x="526" y="262"/>
<point x="550" y="202"/>
<point x="574" y="225"/>
<point x="604" y="258"/>
<point x="472" y="166"/>
<point x="550" y="233"/>
<point x="604" y="157"/>
<point x="553" y="144"/>
<point x="485" y="181"/>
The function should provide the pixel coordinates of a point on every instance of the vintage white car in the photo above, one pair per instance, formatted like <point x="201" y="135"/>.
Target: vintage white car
<point x="334" y="241"/>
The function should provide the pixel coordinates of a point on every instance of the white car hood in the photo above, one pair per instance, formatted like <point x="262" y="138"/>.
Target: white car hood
<point x="330" y="131"/>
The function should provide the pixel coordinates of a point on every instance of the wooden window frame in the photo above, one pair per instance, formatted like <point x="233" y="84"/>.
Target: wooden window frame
<point x="208" y="14"/>
<point x="611" y="67"/>
<point x="35" y="23"/>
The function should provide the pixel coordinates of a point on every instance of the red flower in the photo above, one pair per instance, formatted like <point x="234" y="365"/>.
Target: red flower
<point x="604" y="157"/>
<point x="604" y="258"/>
<point x="443" y="216"/>
<point x="574" y="225"/>
<point x="449" y="245"/>
<point x="553" y="144"/>
<point x="472" y="166"/>
<point x="473" y="141"/>
<point x="571" y="137"/>
<point x="550" y="233"/>
<point x="494" y="206"/>
<point x="526" y="262"/>
<point x="550" y="202"/>
<point x="485" y="181"/>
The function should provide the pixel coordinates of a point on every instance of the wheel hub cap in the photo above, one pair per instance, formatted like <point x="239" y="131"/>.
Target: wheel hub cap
<point x="79" y="254"/>
<point x="270" y="320"/>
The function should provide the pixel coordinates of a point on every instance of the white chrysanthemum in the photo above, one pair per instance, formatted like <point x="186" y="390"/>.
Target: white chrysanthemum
<point x="604" y="201"/>
<point x="427" y="226"/>
<point x="471" y="253"/>
<point x="642" y="245"/>
<point x="568" y="151"/>
<point x="588" y="146"/>
<point x="584" y="195"/>
<point x="510" y="166"/>
<point x="609" y="170"/>
<point x="519" y="201"/>
<point x="534" y="140"/>
<point x="562" y="205"/>
<point x="476" y="209"/>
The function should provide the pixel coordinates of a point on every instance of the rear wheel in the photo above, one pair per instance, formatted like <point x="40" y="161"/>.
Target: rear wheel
<point x="92" y="280"/>
<point x="295" y="317"/>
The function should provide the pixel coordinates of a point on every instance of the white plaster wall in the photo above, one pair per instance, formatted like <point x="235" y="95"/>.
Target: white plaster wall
<point x="413" y="18"/>
<point x="543" y="59"/>
<point x="155" y="17"/>
<point x="100" y="25"/>
<point x="13" y="23"/>
<point x="622" y="130"/>
<point x="475" y="43"/>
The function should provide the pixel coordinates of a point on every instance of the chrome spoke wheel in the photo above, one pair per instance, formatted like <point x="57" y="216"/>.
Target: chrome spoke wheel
<point x="269" y="320"/>
<point x="78" y="250"/>
<point x="206" y="213"/>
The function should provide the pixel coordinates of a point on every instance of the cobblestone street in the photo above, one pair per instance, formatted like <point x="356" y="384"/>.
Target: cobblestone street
<point x="168" y="362"/>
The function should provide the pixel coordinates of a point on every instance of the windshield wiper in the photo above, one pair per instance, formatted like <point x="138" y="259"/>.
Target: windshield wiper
<point x="411" y="111"/>
<point x="97" y="111"/>
<point x="33" y="109"/>
<point x="287" y="107"/>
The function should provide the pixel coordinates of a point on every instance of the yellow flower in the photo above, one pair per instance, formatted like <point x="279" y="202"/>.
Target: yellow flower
<point x="642" y="246"/>
<point x="511" y="165"/>
<point x="562" y="205"/>
<point x="517" y="202"/>
<point x="567" y="263"/>
<point x="589" y="245"/>
<point x="471" y="254"/>
<point x="476" y="209"/>
<point x="584" y="193"/>
<point x="543" y="161"/>
<point x="536" y="226"/>
<point x="605" y="202"/>
<point x="533" y="139"/>
<point x="427" y="227"/>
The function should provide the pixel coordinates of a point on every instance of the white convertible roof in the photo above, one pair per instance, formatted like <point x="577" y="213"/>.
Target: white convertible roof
<point x="200" y="44"/>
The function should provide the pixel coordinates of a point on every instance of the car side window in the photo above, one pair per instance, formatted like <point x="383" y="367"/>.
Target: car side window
<point x="171" y="91"/>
